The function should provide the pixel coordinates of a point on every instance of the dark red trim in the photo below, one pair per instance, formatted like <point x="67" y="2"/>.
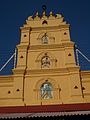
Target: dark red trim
<point x="46" y="108"/>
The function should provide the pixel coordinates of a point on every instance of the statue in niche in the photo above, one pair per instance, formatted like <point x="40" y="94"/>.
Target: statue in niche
<point x="45" y="39"/>
<point x="46" y="90"/>
<point x="45" y="61"/>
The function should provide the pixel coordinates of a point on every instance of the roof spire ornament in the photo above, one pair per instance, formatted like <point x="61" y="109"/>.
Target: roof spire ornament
<point x="44" y="11"/>
<point x="58" y="16"/>
<point x="30" y="18"/>
<point x="44" y="8"/>
<point x="37" y="16"/>
<point x="51" y="15"/>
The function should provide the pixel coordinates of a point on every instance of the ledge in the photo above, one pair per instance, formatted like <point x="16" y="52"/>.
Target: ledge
<point x="46" y="108"/>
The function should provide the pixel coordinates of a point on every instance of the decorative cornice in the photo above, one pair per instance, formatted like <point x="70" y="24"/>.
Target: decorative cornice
<point x="68" y="44"/>
<point x="56" y="46"/>
<point x="19" y="71"/>
<point x="6" y="79"/>
<point x="25" y="28"/>
<point x="52" y="46"/>
<point x="85" y="74"/>
<point x="60" y="27"/>
<point x="73" y="69"/>
<point x="59" y="71"/>
<point x="22" y="46"/>
<point x="50" y="27"/>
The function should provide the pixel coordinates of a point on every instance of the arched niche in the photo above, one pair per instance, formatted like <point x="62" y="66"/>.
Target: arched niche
<point x="46" y="38"/>
<point x="46" y="60"/>
<point x="46" y="89"/>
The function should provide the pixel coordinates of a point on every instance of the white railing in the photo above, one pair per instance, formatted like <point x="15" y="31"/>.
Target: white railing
<point x="6" y="63"/>
<point x="77" y="57"/>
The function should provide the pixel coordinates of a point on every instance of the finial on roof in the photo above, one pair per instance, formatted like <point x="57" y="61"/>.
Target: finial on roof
<point x="37" y="16"/>
<point x="30" y="18"/>
<point x="44" y="12"/>
<point x="44" y="8"/>
<point x="51" y="15"/>
<point x="58" y="16"/>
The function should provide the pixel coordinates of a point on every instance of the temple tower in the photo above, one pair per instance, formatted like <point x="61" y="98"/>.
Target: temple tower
<point x="46" y="71"/>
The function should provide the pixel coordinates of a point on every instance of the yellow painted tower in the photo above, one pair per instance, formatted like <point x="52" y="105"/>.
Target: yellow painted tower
<point x="46" y="72"/>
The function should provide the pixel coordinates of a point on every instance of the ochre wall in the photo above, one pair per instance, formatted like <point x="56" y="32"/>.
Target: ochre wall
<point x="69" y="84"/>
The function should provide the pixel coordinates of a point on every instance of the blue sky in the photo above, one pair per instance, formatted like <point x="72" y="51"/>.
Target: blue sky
<point x="13" y="14"/>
